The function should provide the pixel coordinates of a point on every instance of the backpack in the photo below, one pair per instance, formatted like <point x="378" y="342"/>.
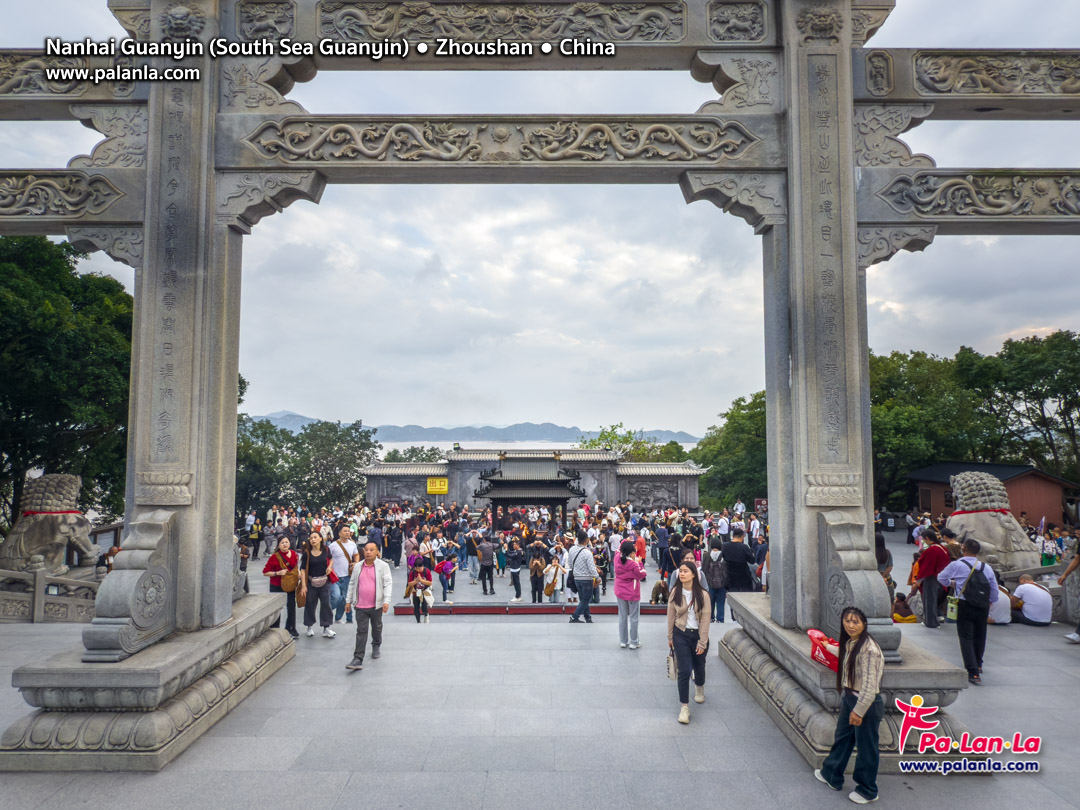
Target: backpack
<point x="976" y="590"/>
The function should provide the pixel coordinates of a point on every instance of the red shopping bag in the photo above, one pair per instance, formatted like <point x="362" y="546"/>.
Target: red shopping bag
<point x="818" y="640"/>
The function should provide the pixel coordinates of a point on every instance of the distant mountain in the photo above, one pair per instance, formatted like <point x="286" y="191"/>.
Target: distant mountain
<point x="521" y="432"/>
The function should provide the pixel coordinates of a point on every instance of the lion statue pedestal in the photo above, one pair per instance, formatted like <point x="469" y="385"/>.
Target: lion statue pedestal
<point x="49" y="520"/>
<point x="983" y="513"/>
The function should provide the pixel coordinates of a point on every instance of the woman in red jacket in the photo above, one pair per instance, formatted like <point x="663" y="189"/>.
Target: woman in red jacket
<point x="931" y="563"/>
<point x="277" y="565"/>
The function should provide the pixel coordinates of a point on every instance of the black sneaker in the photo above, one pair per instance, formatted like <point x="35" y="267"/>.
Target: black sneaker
<point x="375" y="653"/>
<point x="356" y="663"/>
<point x="574" y="621"/>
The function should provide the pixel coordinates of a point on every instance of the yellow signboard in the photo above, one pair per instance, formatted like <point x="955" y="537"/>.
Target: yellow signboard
<point x="438" y="486"/>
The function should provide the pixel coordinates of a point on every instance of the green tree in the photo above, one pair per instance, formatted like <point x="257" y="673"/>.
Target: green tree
<point x="631" y="445"/>
<point x="65" y="357"/>
<point x="326" y="468"/>
<point x="265" y="456"/>
<point x="672" y="451"/>
<point x="415" y="454"/>
<point x="735" y="452"/>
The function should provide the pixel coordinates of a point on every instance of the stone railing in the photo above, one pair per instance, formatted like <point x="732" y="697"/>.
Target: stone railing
<point x="38" y="597"/>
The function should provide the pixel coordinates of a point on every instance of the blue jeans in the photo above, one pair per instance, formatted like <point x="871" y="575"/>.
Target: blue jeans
<point x="474" y="568"/>
<point x="585" y="589"/>
<point x="717" y="596"/>
<point x="445" y="585"/>
<point x="847" y="737"/>
<point x="339" y="596"/>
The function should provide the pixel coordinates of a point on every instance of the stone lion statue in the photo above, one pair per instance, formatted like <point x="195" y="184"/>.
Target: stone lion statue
<point x="49" y="521"/>
<point x="1004" y="543"/>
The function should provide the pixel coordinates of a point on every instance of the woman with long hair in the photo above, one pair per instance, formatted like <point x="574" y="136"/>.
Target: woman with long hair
<point x="315" y="574"/>
<point x="688" y="615"/>
<point x="278" y="565"/>
<point x="629" y="574"/>
<point x="858" y="679"/>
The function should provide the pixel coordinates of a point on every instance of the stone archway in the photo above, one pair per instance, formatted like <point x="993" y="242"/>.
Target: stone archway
<point x="803" y="144"/>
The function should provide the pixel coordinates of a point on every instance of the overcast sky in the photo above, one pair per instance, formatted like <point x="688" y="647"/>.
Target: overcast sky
<point x="583" y="305"/>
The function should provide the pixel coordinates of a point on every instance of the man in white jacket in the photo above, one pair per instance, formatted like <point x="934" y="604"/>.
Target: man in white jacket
<point x="369" y="594"/>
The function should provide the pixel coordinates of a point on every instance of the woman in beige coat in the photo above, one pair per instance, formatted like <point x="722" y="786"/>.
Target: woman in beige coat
<point x="688" y="613"/>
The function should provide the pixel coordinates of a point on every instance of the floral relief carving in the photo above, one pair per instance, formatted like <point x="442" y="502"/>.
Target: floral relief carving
<point x="125" y="127"/>
<point x="755" y="87"/>
<point x="865" y="23"/>
<point x="1005" y="74"/>
<point x="876" y="128"/>
<point x="760" y="199"/>
<point x="164" y="488"/>
<point x="833" y="489"/>
<point x="135" y="21"/>
<point x="55" y="194"/>
<point x="23" y="74"/>
<point x="122" y="244"/>
<point x="244" y="87"/>
<point x="608" y="22"/>
<point x="880" y="244"/>
<point x="320" y="140"/>
<point x="927" y="194"/>
<point x="150" y="595"/>
<point x="736" y="22"/>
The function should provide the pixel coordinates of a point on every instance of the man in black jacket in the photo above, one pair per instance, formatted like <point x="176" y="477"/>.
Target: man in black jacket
<point x="738" y="558"/>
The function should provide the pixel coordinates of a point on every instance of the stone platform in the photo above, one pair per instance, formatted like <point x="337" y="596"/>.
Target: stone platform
<point x="476" y="608"/>
<point x="799" y="694"/>
<point x="141" y="713"/>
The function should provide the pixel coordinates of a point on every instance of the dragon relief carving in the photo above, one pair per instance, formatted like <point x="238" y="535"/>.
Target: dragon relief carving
<point x="608" y="22"/>
<point x="125" y="127"/>
<point x="927" y="194"/>
<point x="1047" y="73"/>
<point x="876" y="127"/>
<point x="55" y="194"/>
<point x="319" y="140"/>
<point x="267" y="20"/>
<point x="736" y="22"/>
<point x="23" y="74"/>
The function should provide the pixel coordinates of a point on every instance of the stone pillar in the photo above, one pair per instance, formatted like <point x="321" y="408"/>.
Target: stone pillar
<point x="830" y="444"/>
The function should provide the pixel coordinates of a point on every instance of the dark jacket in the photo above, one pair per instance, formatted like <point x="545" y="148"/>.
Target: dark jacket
<point x="738" y="557"/>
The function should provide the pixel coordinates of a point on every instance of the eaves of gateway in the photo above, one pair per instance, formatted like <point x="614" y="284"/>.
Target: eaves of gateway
<point x="599" y="473"/>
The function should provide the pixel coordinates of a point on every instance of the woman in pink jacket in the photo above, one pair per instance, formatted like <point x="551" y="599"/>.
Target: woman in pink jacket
<point x="629" y="573"/>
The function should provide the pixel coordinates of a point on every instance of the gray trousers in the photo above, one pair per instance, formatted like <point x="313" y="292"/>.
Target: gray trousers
<point x="629" y="613"/>
<point x="363" y="616"/>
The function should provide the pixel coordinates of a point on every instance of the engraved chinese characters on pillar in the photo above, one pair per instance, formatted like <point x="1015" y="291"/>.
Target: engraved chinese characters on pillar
<point x="828" y="259"/>
<point x="169" y="352"/>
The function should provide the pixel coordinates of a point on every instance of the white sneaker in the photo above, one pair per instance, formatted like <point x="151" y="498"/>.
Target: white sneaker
<point x="427" y="620"/>
<point x="328" y="633"/>
<point x="684" y="715"/>
<point x="448" y="603"/>
<point x="858" y="798"/>
<point x="516" y="599"/>
<point x="1073" y="637"/>
<point x="634" y="645"/>
<point x="821" y="778"/>
<point x="340" y="621"/>
<point x="699" y="694"/>
<point x="310" y="632"/>
<point x="623" y="645"/>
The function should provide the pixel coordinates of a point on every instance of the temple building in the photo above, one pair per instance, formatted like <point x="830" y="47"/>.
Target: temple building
<point x="556" y="478"/>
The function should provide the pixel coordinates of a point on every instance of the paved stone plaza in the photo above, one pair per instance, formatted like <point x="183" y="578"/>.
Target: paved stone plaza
<point x="471" y="712"/>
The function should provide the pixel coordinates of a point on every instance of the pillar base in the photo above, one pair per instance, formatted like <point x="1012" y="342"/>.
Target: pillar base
<point x="102" y="737"/>
<point x="799" y="694"/>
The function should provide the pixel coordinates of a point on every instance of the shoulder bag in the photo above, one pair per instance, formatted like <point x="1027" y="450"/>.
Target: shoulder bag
<point x="347" y="557"/>
<point x="571" y="583"/>
<point x="291" y="578"/>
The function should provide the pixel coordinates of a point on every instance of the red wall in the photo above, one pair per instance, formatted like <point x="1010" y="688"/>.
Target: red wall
<point x="1029" y="493"/>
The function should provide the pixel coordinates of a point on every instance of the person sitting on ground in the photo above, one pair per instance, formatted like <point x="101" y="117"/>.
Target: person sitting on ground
<point x="659" y="593"/>
<point x="1031" y="603"/>
<point x="1001" y="610"/>
<point x="902" y="612"/>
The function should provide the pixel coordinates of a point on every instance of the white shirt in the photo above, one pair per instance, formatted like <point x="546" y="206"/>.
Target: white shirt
<point x="1038" y="604"/>
<point x="755" y="528"/>
<point x="723" y="526"/>
<point x="739" y="508"/>
<point x="1000" y="611"/>
<point x="341" y="562"/>
<point x="691" y="614"/>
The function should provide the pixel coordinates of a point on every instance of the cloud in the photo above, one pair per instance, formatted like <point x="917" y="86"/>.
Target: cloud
<point x="582" y="305"/>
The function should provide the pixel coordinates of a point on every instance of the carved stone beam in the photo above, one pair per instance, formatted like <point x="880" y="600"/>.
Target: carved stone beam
<point x="972" y="84"/>
<point x="28" y="94"/>
<point x="971" y="201"/>
<point x="760" y="198"/>
<point x="881" y="244"/>
<point x="120" y="243"/>
<point x="47" y="201"/>
<point x="508" y="149"/>
<point x="749" y="81"/>
<point x="867" y="16"/>
<point x="246" y="197"/>
<point x="650" y="35"/>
